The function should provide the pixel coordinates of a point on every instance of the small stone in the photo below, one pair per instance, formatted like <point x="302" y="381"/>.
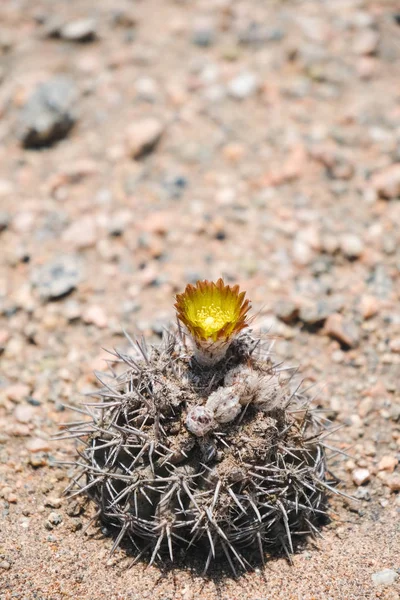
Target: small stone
<point x="142" y="137"/>
<point x="49" y="113"/>
<point x="95" y="315"/>
<point x="257" y="34"/>
<point x="6" y="189"/>
<point x="146" y="89"/>
<point x="384" y="577"/>
<point x="203" y="33"/>
<point x="81" y="30"/>
<point x="4" y="220"/>
<point x="387" y="463"/>
<point x="363" y="493"/>
<point x="361" y="476"/>
<point x="76" y="525"/>
<point x="287" y="311"/>
<point x="366" y="42"/>
<point x="302" y="252"/>
<point x="394" y="345"/>
<point x="387" y="182"/>
<point x="38" y="445"/>
<point x="53" y="502"/>
<point x="17" y="392"/>
<point x="351" y="245"/>
<point x="81" y="234"/>
<point x="118" y="222"/>
<point x="72" y="310"/>
<point x="24" y="413"/>
<point x="5" y="565"/>
<point x="243" y="86"/>
<point x="37" y="461"/>
<point x="55" y="518"/>
<point x="394" y="482"/>
<point x="315" y="314"/>
<point x="366" y="406"/>
<point x="369" y="306"/>
<point x="57" y="278"/>
<point x="12" y="498"/>
<point x="343" y="331"/>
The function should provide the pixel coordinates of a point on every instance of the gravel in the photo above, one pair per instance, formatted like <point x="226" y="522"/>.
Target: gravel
<point x="263" y="187"/>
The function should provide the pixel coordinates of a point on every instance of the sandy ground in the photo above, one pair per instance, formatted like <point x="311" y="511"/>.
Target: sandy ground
<point x="254" y="140"/>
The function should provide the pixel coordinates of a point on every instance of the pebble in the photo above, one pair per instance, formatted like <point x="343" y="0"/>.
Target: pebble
<point x="81" y="30"/>
<point x="38" y="445"/>
<point x="17" y="392"/>
<point x="37" y="461"/>
<point x="4" y="220"/>
<point x="369" y="306"/>
<point x="5" y="565"/>
<point x="363" y="493"/>
<point x="315" y="313"/>
<point x="394" y="345"/>
<point x="146" y="89"/>
<point x="242" y="86"/>
<point x="49" y="113"/>
<point x="287" y="311"/>
<point x="95" y="315"/>
<point x="24" y="413"/>
<point x="57" y="278"/>
<point x="53" y="502"/>
<point x="257" y="34"/>
<point x="55" y="518"/>
<point x="361" y="476"/>
<point x="203" y="33"/>
<point x="345" y="332"/>
<point x="384" y="577"/>
<point x="351" y="245"/>
<point x="387" y="182"/>
<point x="394" y="482"/>
<point x="366" y="42"/>
<point x="387" y="463"/>
<point x="81" y="234"/>
<point x="142" y="137"/>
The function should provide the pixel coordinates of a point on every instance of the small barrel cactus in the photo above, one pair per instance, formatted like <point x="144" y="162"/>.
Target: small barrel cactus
<point x="203" y="445"/>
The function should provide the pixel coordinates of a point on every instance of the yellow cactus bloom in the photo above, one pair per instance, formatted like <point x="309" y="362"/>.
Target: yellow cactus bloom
<point x="212" y="311"/>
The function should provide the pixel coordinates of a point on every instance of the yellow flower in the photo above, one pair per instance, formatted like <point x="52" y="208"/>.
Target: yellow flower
<point x="212" y="311"/>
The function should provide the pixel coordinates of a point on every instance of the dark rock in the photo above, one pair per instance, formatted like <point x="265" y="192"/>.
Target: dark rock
<point x="49" y="114"/>
<point x="57" y="278"/>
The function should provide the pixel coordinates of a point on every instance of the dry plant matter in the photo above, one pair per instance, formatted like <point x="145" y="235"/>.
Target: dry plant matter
<point x="181" y="452"/>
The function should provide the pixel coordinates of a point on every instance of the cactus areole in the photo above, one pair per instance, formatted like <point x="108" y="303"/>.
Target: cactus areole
<point x="202" y="441"/>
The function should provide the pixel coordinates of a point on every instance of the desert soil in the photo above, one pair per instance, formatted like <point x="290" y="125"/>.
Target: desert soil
<point x="147" y="144"/>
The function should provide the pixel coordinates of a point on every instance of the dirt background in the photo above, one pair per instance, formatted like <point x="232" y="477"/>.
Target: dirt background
<point x="257" y="140"/>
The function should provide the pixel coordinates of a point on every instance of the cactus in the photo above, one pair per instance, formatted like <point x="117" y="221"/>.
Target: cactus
<point x="202" y="446"/>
